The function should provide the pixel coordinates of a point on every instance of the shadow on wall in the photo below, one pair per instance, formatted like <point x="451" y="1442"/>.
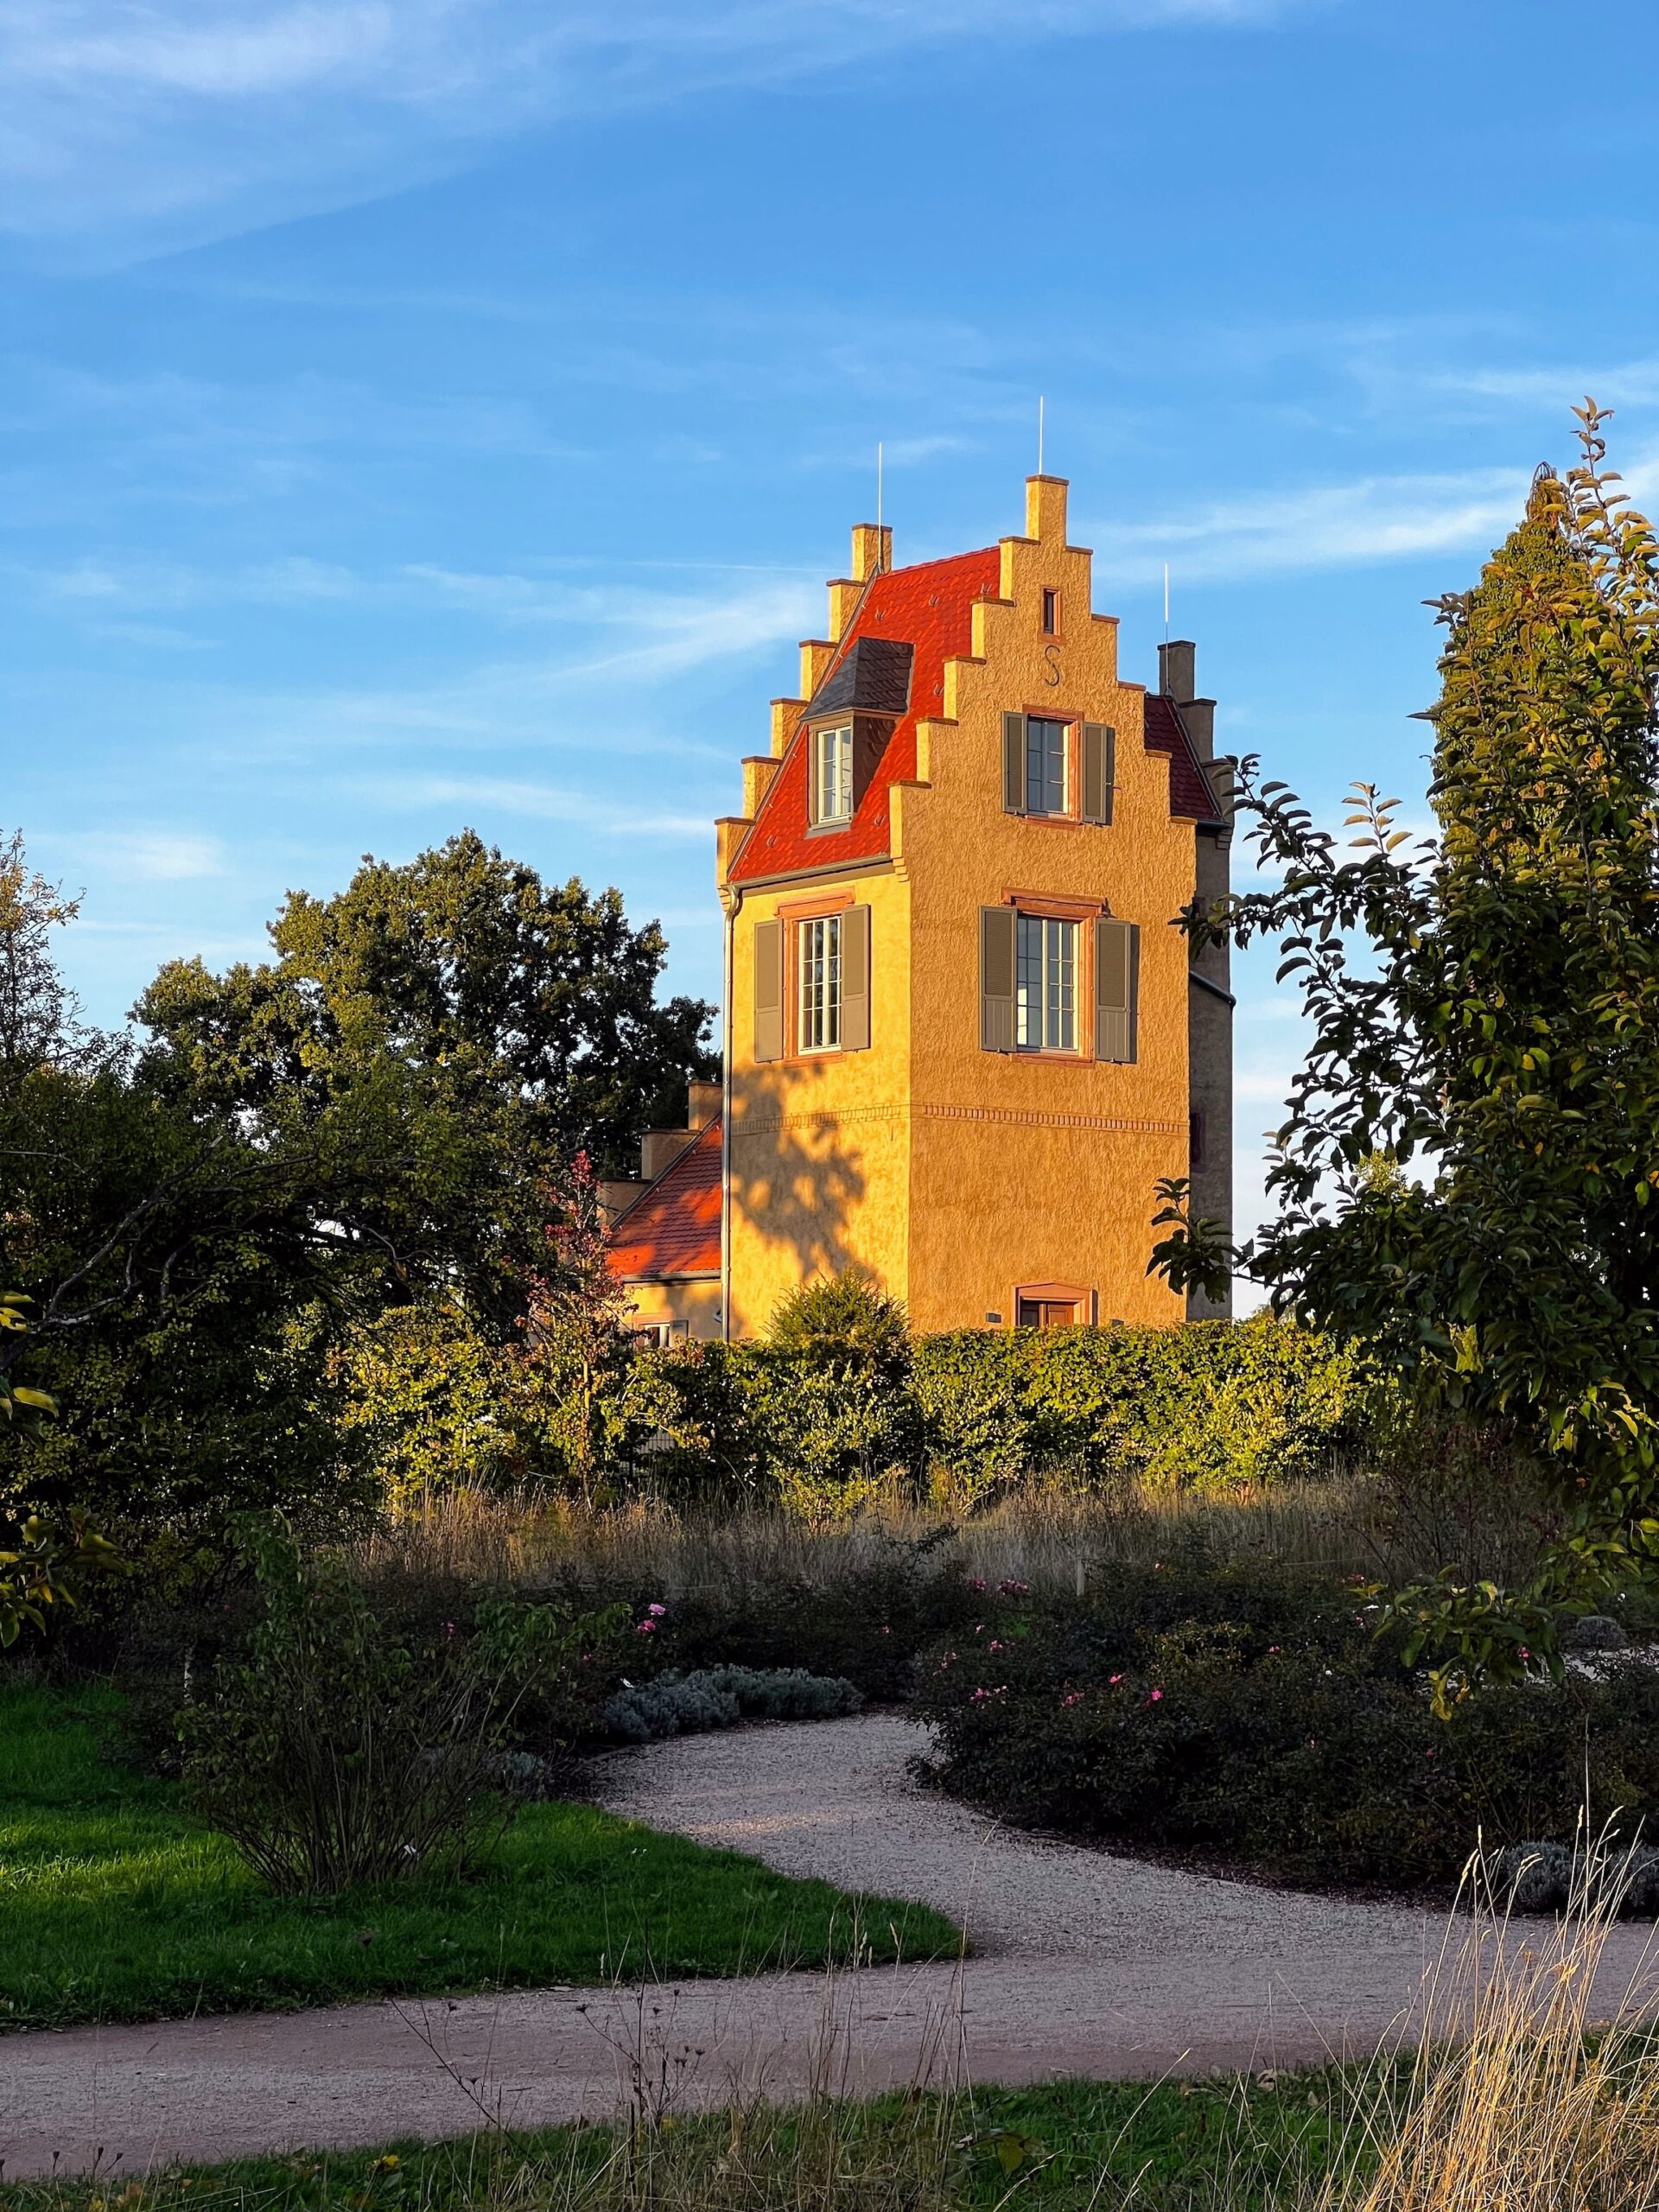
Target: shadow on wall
<point x="800" y="1180"/>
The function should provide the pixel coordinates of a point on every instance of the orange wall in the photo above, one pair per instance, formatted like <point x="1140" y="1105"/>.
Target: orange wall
<point x="953" y="1173"/>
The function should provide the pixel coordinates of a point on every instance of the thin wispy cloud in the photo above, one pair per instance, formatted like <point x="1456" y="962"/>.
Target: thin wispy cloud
<point x="1360" y="523"/>
<point x="183" y="118"/>
<point x="498" y="795"/>
<point x="658" y="632"/>
<point x="146" y="855"/>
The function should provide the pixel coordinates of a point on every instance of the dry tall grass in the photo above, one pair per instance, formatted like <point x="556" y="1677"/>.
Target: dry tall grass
<point x="1363" y="1521"/>
<point x="1535" y="2087"/>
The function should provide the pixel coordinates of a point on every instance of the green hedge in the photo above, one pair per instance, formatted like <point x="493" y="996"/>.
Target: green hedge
<point x="1214" y="1404"/>
<point x="1251" y="1714"/>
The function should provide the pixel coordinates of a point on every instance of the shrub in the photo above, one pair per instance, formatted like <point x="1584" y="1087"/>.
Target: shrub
<point x="719" y="1697"/>
<point x="335" y="1753"/>
<point x="867" y="1624"/>
<point x="1251" y="1714"/>
<point x="1210" y="1403"/>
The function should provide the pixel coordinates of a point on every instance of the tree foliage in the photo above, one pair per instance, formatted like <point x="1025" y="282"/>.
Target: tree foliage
<point x="441" y="1035"/>
<point x="1469" y="1175"/>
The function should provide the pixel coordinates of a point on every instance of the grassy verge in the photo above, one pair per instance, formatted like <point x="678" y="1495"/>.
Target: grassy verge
<point x="1080" y="2146"/>
<point x="117" y="1905"/>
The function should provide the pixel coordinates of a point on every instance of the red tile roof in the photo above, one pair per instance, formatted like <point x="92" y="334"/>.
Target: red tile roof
<point x="929" y="606"/>
<point x="1190" y="794"/>
<point x="673" y="1228"/>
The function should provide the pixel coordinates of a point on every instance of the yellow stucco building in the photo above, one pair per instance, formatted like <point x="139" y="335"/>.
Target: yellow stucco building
<point x="963" y="1038"/>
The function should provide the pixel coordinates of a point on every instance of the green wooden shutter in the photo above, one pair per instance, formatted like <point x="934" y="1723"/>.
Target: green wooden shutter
<point x="1099" y="771"/>
<point x="1013" y="764"/>
<point x="855" y="979"/>
<point x="768" y="990"/>
<point x="997" y="926"/>
<point x="1117" y="982"/>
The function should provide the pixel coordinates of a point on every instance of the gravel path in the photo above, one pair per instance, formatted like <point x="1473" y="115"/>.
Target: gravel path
<point x="1083" y="1963"/>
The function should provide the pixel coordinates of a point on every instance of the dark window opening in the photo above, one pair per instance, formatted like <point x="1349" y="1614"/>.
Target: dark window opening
<point x="1051" y="612"/>
<point x="1048" y="1313"/>
<point x="1195" y="1140"/>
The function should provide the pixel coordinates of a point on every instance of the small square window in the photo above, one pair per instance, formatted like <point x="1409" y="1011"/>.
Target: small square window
<point x="1046" y="765"/>
<point x="832" y="774"/>
<point x="1048" y="1313"/>
<point x="1051" y="612"/>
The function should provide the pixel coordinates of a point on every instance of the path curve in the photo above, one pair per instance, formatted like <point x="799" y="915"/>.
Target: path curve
<point x="1085" y="1963"/>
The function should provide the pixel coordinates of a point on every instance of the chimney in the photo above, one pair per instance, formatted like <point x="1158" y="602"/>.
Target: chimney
<point x="704" y="1103"/>
<point x="872" y="551"/>
<point x="1177" y="680"/>
<point x="1045" y="508"/>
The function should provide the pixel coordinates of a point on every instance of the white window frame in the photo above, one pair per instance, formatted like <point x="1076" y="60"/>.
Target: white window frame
<point x="832" y="774"/>
<point x="1045" y="984"/>
<point x="817" y="967"/>
<point x="1041" y="788"/>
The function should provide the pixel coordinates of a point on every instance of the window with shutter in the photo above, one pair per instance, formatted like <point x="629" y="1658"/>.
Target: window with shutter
<point x="855" y="979"/>
<point x="817" y="962"/>
<point x="1013" y="764"/>
<point x="769" y="991"/>
<point x="996" y="977"/>
<point x="1046" y="779"/>
<point x="1099" y="771"/>
<point x="1045" y="1012"/>
<point x="1117" y="978"/>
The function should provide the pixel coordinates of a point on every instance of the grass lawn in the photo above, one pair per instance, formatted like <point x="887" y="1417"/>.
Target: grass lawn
<point x="1237" y="2145"/>
<point x="116" y="1905"/>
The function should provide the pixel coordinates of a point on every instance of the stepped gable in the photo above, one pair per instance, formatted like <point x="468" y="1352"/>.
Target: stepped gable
<point x="929" y="607"/>
<point x="673" y="1228"/>
<point x="1189" y="795"/>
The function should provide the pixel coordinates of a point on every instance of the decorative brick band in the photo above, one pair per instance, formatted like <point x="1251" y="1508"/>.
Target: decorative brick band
<point x="1023" y="1118"/>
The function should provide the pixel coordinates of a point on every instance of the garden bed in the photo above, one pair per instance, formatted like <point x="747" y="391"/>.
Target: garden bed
<point x="1247" y="1718"/>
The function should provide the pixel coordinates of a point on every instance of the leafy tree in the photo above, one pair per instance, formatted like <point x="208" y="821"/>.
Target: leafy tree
<point x="38" y="1016"/>
<point x="178" y="1278"/>
<point x="577" y="1351"/>
<point x="443" y="1034"/>
<point x="1469" y="1176"/>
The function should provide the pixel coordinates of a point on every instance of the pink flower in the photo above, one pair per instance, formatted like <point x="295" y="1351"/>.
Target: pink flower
<point x="1272" y="1648"/>
<point x="997" y="1643"/>
<point x="1076" y="1698"/>
<point x="656" y="1611"/>
<point x="1113" y="1682"/>
<point x="1523" y="1653"/>
<point x="1011" y="1589"/>
<point x="647" y="1628"/>
<point x="978" y="1582"/>
<point x="1153" y="1699"/>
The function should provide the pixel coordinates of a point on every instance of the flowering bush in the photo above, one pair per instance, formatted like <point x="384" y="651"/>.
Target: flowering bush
<point x="1251" y="1714"/>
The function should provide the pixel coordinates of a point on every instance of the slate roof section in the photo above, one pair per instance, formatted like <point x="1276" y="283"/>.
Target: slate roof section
<point x="929" y="606"/>
<point x="673" y="1229"/>
<point x="872" y="677"/>
<point x="1189" y="795"/>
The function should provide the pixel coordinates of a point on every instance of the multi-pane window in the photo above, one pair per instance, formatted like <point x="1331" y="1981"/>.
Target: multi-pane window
<point x="818" y="956"/>
<point x="1045" y="765"/>
<point x="833" y="774"/>
<point x="1045" y="1003"/>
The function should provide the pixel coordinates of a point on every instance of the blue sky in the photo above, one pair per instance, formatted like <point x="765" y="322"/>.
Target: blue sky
<point x="431" y="412"/>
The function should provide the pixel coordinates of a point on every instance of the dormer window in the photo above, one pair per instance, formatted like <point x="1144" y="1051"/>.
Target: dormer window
<point x="832" y="773"/>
